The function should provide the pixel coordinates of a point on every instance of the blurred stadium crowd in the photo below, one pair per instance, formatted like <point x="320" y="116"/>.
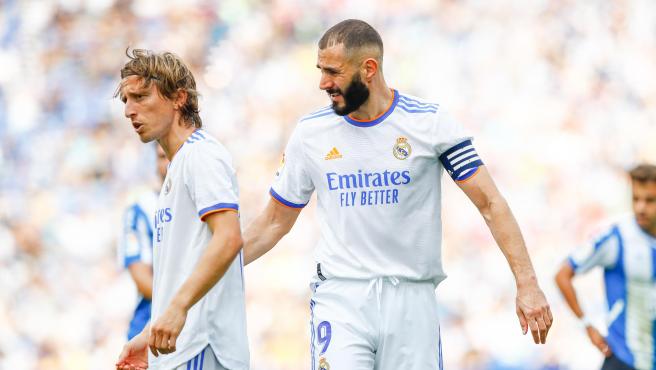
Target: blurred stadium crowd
<point x="559" y="94"/>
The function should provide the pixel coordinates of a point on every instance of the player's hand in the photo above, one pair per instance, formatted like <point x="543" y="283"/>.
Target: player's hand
<point x="135" y="354"/>
<point x="164" y="332"/>
<point x="598" y="340"/>
<point x="533" y="312"/>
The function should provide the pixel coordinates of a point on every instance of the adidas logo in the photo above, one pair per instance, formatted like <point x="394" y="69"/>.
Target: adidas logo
<point x="333" y="154"/>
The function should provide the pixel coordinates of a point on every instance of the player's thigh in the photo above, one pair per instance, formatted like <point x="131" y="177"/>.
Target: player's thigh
<point x="411" y="333"/>
<point x="340" y="334"/>
<point x="205" y="360"/>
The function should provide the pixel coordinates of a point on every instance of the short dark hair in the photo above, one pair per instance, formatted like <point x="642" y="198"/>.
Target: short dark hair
<point x="643" y="173"/>
<point x="353" y="34"/>
<point x="169" y="73"/>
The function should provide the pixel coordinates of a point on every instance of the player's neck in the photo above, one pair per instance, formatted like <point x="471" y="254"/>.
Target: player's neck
<point x="173" y="140"/>
<point x="378" y="103"/>
<point x="651" y="231"/>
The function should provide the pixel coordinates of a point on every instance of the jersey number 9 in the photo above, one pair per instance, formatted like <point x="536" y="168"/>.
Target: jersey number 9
<point x="323" y="335"/>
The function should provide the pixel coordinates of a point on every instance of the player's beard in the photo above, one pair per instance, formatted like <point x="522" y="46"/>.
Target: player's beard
<point x="354" y="96"/>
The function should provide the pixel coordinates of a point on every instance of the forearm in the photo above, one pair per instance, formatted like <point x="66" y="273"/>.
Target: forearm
<point x="506" y="233"/>
<point x="564" y="283"/>
<point x="213" y="263"/>
<point x="260" y="237"/>
<point x="267" y="229"/>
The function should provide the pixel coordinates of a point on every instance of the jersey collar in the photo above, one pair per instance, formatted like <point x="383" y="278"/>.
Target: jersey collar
<point x="380" y="118"/>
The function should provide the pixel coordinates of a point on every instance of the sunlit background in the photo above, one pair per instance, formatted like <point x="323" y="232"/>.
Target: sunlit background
<point x="560" y="96"/>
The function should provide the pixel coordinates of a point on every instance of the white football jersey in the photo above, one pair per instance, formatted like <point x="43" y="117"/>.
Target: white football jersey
<point x="378" y="187"/>
<point x="200" y="180"/>
<point x="628" y="256"/>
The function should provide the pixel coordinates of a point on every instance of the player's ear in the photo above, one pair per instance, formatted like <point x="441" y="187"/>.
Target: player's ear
<point x="179" y="99"/>
<point x="369" y="69"/>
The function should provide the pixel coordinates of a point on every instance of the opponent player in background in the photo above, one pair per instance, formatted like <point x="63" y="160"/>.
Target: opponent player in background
<point x="627" y="252"/>
<point x="135" y="247"/>
<point x="375" y="158"/>
<point x="198" y="314"/>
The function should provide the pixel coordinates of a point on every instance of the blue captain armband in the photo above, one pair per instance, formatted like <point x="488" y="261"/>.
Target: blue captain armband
<point x="461" y="161"/>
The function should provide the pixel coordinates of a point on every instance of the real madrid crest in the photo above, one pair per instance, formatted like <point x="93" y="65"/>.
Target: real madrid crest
<point x="167" y="186"/>
<point x="402" y="148"/>
<point x="323" y="364"/>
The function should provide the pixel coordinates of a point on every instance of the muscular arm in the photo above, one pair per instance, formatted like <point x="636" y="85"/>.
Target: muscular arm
<point x="482" y="191"/>
<point x="267" y="229"/>
<point x="142" y="274"/>
<point x="221" y="250"/>
<point x="531" y="305"/>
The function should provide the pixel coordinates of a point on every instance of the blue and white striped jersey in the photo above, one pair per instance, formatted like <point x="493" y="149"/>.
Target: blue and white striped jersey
<point x="136" y="245"/>
<point x="378" y="186"/>
<point x="628" y="257"/>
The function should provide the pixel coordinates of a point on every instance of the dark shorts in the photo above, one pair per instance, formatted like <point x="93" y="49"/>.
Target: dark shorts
<point x="614" y="363"/>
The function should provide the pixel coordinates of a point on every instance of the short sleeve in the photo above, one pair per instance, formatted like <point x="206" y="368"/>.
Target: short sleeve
<point x="133" y="241"/>
<point x="292" y="185"/>
<point x="603" y="252"/>
<point x="455" y="148"/>
<point x="211" y="179"/>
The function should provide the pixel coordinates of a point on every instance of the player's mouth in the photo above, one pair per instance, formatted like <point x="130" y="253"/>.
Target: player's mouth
<point x="138" y="127"/>
<point x="334" y="97"/>
<point x="333" y="94"/>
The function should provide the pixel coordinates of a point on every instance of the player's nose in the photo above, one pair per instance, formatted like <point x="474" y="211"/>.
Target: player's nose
<point x="129" y="110"/>
<point x="325" y="82"/>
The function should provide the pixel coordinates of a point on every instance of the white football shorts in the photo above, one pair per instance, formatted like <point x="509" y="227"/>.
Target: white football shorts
<point x="381" y="324"/>
<point x="205" y="360"/>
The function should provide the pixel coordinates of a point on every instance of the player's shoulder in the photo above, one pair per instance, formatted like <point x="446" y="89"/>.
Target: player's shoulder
<point x="201" y="144"/>
<point x="320" y="115"/>
<point x="624" y="219"/>
<point x="198" y="138"/>
<point x="205" y="150"/>
<point x="628" y="226"/>
<point x="147" y="200"/>
<point x="610" y="228"/>
<point x="416" y="105"/>
<point x="139" y="207"/>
